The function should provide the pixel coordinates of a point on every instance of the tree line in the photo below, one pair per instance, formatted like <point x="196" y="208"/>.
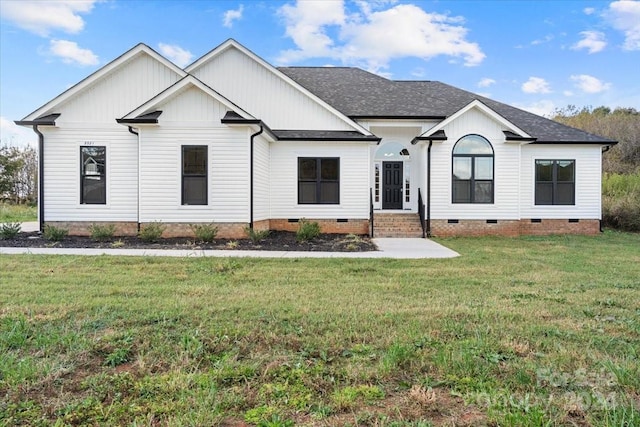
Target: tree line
<point x="18" y="174"/>
<point x="620" y="124"/>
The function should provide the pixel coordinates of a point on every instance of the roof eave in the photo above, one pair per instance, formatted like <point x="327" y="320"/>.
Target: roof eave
<point x="364" y="138"/>
<point x="48" y="120"/>
<point x="145" y="119"/>
<point x="576" y="142"/>
<point x="397" y="117"/>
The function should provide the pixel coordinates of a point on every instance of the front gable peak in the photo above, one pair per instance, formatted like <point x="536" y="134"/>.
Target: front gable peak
<point x="511" y="131"/>
<point x="101" y="74"/>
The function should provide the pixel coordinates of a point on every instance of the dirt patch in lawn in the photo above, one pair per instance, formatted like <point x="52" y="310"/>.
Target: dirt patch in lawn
<point x="275" y="241"/>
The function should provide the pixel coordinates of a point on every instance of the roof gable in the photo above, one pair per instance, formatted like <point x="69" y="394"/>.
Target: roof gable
<point x="248" y="80"/>
<point x="476" y="104"/>
<point x="180" y="87"/>
<point x="102" y="73"/>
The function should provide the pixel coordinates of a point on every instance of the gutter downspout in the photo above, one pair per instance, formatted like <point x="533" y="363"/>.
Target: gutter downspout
<point x="429" y="188"/>
<point x="251" y="175"/>
<point x="139" y="148"/>
<point x="40" y="177"/>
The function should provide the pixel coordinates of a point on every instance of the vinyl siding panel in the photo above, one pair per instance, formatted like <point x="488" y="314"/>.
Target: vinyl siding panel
<point x="506" y="171"/>
<point x="354" y="180"/>
<point x="228" y="174"/>
<point x="261" y="200"/>
<point x="588" y="175"/>
<point x="264" y="94"/>
<point x="62" y="174"/>
<point x="119" y="92"/>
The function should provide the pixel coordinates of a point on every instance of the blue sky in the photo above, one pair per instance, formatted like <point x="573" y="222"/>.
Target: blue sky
<point x="536" y="55"/>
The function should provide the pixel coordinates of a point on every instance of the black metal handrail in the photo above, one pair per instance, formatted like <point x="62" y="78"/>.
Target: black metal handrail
<point x="370" y="212"/>
<point x="421" y="210"/>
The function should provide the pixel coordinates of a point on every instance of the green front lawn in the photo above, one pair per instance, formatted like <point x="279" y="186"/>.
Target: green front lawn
<point x="528" y="331"/>
<point x="18" y="213"/>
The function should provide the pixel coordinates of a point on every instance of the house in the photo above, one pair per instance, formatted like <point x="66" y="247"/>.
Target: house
<point x="233" y="140"/>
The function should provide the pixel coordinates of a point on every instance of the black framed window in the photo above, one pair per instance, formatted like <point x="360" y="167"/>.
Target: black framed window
<point x="555" y="182"/>
<point x="472" y="164"/>
<point x="93" y="175"/>
<point x="318" y="180"/>
<point x="194" y="174"/>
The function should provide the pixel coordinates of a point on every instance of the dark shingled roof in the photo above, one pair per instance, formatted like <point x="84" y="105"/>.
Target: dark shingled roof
<point x="360" y="94"/>
<point x="322" y="135"/>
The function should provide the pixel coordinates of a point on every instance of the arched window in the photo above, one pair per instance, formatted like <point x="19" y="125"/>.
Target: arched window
<point x="472" y="170"/>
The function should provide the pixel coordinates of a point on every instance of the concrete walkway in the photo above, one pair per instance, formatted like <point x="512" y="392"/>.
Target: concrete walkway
<point x="387" y="248"/>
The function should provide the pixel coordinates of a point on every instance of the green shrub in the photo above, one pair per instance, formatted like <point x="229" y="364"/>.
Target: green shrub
<point x="256" y="235"/>
<point x="9" y="230"/>
<point x="55" y="234"/>
<point x="151" y="232"/>
<point x="205" y="232"/>
<point x="307" y="231"/>
<point x="621" y="201"/>
<point x="102" y="233"/>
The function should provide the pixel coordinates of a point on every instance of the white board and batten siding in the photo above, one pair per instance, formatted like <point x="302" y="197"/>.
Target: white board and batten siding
<point x="264" y="94"/>
<point x="354" y="180"/>
<point x="62" y="174"/>
<point x="118" y="93"/>
<point x="506" y="171"/>
<point x="588" y="181"/>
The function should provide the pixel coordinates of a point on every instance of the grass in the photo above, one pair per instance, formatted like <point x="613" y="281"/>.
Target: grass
<point x="18" y="213"/>
<point x="531" y="331"/>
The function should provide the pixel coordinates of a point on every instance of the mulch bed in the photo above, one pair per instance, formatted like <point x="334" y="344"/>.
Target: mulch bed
<point x="275" y="241"/>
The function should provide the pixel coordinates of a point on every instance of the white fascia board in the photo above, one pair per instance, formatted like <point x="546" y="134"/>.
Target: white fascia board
<point x="485" y="109"/>
<point x="101" y="73"/>
<point x="231" y="43"/>
<point x="178" y="86"/>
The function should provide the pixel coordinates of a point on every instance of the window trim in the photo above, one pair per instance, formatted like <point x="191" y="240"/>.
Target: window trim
<point x="205" y="176"/>
<point x="554" y="182"/>
<point x="83" y="175"/>
<point x="318" y="180"/>
<point x="472" y="179"/>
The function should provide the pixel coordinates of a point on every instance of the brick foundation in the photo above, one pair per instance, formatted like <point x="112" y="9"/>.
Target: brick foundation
<point x="81" y="228"/>
<point x="329" y="226"/>
<point x="560" y="226"/>
<point x="226" y="230"/>
<point x="513" y="228"/>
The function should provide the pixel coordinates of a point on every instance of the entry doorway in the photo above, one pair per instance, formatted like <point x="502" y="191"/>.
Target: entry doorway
<point x="392" y="182"/>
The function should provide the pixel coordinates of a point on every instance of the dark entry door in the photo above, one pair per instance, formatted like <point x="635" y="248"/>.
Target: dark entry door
<point x="392" y="185"/>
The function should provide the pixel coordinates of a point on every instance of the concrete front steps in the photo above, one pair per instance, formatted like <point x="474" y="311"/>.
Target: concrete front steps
<point x="396" y="225"/>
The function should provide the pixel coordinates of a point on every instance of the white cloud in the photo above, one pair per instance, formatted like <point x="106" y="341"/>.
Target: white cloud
<point x="71" y="53"/>
<point x="593" y="41"/>
<point x="589" y="10"/>
<point x="232" y="15"/>
<point x="567" y="93"/>
<point x="542" y="108"/>
<point x="624" y="16"/>
<point x="372" y="38"/>
<point x="43" y="17"/>
<point x="545" y="39"/>
<point x="589" y="84"/>
<point x="176" y="54"/>
<point x="14" y="135"/>
<point x="536" y="85"/>
<point x="486" y="82"/>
